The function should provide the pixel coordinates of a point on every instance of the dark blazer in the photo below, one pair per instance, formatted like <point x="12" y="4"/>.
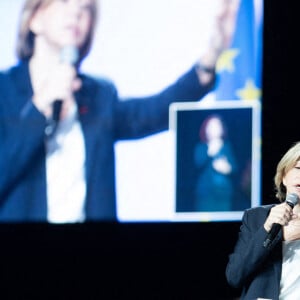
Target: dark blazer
<point x="251" y="266"/>
<point x="104" y="118"/>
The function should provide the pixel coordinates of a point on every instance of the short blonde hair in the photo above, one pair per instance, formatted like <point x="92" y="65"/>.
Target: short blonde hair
<point x="287" y="162"/>
<point x="25" y="37"/>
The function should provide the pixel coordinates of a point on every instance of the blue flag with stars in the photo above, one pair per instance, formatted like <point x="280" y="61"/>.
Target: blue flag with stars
<point x="239" y="68"/>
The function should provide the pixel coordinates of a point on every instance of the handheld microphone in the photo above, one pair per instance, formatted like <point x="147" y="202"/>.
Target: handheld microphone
<point x="69" y="55"/>
<point x="291" y="200"/>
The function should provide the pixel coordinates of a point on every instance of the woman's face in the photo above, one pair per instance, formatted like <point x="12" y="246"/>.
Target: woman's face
<point x="291" y="179"/>
<point x="63" y="22"/>
<point x="214" y="128"/>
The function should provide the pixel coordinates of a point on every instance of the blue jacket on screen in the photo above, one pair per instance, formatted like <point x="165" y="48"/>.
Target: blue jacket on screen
<point x="104" y="118"/>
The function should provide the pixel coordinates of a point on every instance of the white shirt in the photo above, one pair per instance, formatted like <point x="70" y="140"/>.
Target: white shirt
<point x="65" y="168"/>
<point x="290" y="276"/>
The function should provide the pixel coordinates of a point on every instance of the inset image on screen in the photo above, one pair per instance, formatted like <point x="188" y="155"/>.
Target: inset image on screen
<point x="217" y="159"/>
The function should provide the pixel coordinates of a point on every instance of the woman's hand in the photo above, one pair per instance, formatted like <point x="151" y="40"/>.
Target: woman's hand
<point x="221" y="38"/>
<point x="291" y="231"/>
<point x="280" y="214"/>
<point x="60" y="83"/>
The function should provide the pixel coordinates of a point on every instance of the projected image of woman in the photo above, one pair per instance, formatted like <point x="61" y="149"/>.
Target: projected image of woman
<point x="60" y="166"/>
<point x="215" y="162"/>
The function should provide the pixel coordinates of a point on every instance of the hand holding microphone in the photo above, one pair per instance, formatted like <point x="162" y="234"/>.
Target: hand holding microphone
<point x="68" y="58"/>
<point x="279" y="216"/>
<point x="54" y="92"/>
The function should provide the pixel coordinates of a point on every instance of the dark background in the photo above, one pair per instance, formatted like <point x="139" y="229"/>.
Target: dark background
<point x="156" y="260"/>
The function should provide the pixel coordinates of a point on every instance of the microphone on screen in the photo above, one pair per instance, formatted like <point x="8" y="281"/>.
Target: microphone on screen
<point x="291" y="200"/>
<point x="69" y="55"/>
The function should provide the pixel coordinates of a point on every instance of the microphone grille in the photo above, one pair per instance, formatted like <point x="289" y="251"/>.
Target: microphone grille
<point x="69" y="55"/>
<point x="292" y="199"/>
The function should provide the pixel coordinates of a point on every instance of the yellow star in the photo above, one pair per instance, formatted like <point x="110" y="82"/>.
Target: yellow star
<point x="249" y="91"/>
<point x="225" y="61"/>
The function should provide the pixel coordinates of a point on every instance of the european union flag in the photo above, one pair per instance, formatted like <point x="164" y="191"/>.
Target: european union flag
<point x="240" y="66"/>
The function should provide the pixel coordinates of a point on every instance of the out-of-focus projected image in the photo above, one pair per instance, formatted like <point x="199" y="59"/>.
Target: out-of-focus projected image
<point x="143" y="47"/>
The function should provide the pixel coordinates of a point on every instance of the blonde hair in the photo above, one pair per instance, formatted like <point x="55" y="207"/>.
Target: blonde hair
<point x="287" y="162"/>
<point x="25" y="37"/>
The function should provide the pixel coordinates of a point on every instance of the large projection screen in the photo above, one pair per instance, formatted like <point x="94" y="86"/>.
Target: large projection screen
<point x="144" y="46"/>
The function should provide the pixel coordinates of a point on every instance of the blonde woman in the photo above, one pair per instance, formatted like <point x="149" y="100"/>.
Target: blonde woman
<point x="263" y="264"/>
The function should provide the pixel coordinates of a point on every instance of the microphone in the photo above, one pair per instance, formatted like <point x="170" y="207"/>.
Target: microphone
<point x="69" y="55"/>
<point x="291" y="200"/>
